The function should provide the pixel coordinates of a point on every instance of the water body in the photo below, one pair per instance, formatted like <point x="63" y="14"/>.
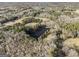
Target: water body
<point x="37" y="32"/>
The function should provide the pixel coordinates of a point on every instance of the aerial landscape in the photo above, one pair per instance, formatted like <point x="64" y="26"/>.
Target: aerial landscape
<point x="39" y="29"/>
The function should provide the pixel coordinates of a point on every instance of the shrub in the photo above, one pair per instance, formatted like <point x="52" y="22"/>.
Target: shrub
<point x="72" y="26"/>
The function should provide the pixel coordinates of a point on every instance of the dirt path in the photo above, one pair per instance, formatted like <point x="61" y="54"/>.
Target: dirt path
<point x="11" y="23"/>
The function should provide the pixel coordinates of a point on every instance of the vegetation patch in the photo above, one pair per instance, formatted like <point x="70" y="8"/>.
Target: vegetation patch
<point x="72" y="26"/>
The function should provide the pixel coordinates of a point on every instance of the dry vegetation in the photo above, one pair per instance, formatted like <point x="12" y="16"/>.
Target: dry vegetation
<point x="39" y="29"/>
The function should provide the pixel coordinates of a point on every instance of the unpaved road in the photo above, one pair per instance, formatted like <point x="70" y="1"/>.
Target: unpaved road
<point x="11" y="23"/>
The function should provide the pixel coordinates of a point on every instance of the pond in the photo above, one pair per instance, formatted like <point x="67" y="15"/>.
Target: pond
<point x="36" y="33"/>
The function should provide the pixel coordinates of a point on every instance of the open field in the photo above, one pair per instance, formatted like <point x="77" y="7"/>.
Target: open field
<point x="39" y="29"/>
